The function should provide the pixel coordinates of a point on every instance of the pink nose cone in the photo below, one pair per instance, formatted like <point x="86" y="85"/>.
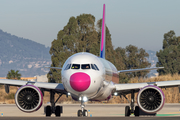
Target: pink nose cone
<point x="80" y="81"/>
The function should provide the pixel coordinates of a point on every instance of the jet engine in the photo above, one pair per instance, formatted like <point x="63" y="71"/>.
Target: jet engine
<point x="150" y="99"/>
<point x="28" y="98"/>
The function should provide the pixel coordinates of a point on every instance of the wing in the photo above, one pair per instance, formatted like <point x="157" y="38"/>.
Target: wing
<point x="46" y="86"/>
<point x="53" y="67"/>
<point x="127" y="88"/>
<point x="136" y="70"/>
<point x="57" y="87"/>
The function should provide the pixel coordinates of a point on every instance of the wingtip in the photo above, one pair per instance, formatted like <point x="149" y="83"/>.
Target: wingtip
<point x="161" y="67"/>
<point x="46" y="66"/>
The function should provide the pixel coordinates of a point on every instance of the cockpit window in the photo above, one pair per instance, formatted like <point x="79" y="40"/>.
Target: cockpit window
<point x="96" y="67"/>
<point x="85" y="66"/>
<point x="92" y="66"/>
<point x="75" y="66"/>
<point x="68" y="67"/>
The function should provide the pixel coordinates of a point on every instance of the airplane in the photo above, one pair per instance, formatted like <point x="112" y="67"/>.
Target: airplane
<point x="88" y="77"/>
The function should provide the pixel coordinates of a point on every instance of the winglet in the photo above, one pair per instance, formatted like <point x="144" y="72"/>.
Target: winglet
<point x="103" y="35"/>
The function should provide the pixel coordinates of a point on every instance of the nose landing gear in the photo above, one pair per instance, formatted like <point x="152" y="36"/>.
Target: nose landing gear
<point x="83" y="112"/>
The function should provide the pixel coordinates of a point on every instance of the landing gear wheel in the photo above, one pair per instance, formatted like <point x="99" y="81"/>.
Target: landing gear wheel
<point x="127" y="111"/>
<point x="80" y="113"/>
<point x="85" y="113"/>
<point x="136" y="112"/>
<point x="58" y="111"/>
<point x="48" y="111"/>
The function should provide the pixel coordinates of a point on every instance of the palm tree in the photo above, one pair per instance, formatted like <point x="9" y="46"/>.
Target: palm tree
<point x="13" y="75"/>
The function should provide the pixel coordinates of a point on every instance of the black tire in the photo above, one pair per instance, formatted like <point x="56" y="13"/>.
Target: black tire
<point x="85" y="113"/>
<point x="79" y="113"/>
<point x="136" y="112"/>
<point x="61" y="109"/>
<point x="127" y="111"/>
<point x="58" y="111"/>
<point x="48" y="111"/>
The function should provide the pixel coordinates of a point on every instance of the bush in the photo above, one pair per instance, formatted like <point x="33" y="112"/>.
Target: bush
<point x="10" y="96"/>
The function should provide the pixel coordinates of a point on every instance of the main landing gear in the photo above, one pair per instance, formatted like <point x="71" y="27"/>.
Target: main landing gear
<point x="57" y="110"/>
<point x="128" y="110"/>
<point x="83" y="112"/>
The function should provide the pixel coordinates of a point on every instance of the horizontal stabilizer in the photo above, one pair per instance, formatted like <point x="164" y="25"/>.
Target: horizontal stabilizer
<point x="136" y="70"/>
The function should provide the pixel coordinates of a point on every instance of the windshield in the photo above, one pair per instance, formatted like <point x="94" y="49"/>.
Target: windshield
<point x="85" y="66"/>
<point x="75" y="66"/>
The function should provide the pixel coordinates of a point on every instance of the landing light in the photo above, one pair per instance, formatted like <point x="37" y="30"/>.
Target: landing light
<point x="69" y="94"/>
<point x="115" y="93"/>
<point x="85" y="99"/>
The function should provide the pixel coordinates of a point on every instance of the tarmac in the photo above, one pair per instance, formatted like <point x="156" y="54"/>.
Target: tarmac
<point x="95" y="111"/>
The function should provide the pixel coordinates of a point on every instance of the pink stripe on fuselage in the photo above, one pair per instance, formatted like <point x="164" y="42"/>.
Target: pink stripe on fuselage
<point x="103" y="29"/>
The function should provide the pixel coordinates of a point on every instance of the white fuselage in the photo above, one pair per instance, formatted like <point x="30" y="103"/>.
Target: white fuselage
<point x="84" y="74"/>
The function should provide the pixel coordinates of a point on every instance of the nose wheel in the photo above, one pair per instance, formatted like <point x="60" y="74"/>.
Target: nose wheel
<point x="81" y="113"/>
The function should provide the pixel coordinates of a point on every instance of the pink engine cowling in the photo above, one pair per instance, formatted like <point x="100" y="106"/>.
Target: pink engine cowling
<point x="150" y="99"/>
<point x="29" y="98"/>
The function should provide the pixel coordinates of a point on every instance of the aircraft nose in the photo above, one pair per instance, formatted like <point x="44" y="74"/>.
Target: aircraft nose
<point x="80" y="81"/>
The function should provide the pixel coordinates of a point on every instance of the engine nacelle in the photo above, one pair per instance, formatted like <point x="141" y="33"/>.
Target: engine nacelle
<point x="150" y="99"/>
<point x="29" y="98"/>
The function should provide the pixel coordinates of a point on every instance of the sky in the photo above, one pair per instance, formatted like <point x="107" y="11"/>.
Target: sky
<point x="137" y="22"/>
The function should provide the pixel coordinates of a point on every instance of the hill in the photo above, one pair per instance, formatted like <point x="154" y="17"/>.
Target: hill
<point x="153" y="60"/>
<point x="22" y="54"/>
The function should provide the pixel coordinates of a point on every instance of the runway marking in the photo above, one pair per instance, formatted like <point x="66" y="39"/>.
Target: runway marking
<point x="173" y="113"/>
<point x="167" y="114"/>
<point x="156" y="114"/>
<point x="88" y="113"/>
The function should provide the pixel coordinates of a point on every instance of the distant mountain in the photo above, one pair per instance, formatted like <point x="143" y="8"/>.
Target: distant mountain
<point x="153" y="60"/>
<point x="22" y="54"/>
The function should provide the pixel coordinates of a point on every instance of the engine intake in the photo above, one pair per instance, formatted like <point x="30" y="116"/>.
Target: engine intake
<point x="150" y="99"/>
<point x="29" y="98"/>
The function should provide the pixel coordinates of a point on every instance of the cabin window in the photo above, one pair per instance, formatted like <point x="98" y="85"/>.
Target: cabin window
<point x="92" y="66"/>
<point x="75" y="66"/>
<point x="85" y="66"/>
<point x="67" y="67"/>
<point x="96" y="67"/>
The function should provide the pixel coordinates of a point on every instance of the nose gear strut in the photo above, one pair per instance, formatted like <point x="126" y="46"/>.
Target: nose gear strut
<point x="83" y="112"/>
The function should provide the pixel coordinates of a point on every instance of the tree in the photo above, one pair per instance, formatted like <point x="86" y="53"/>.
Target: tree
<point x="132" y="58"/>
<point x="12" y="74"/>
<point x="79" y="35"/>
<point x="120" y="55"/>
<point x="169" y="56"/>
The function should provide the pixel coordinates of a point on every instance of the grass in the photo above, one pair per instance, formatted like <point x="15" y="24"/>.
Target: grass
<point x="171" y="94"/>
<point x="9" y="96"/>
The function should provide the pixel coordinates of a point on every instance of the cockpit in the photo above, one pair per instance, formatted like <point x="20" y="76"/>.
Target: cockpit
<point x="81" y="66"/>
